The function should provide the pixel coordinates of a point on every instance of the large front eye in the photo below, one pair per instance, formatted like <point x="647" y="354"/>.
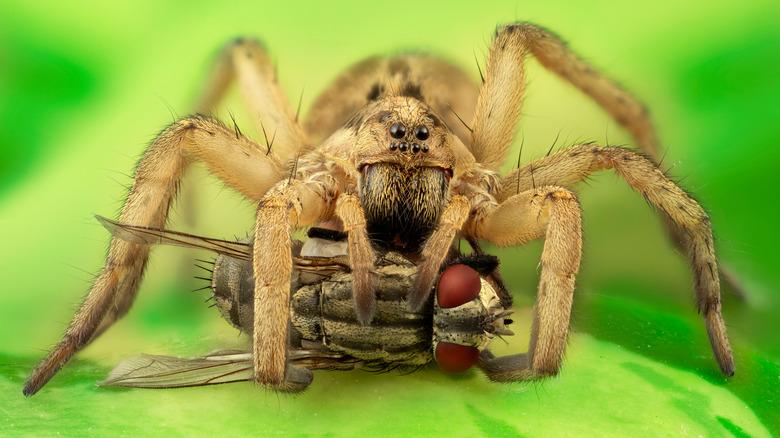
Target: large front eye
<point x="421" y="132"/>
<point x="458" y="285"/>
<point x="398" y="130"/>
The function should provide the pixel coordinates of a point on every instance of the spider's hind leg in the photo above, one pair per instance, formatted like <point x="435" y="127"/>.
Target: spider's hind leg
<point x="246" y="62"/>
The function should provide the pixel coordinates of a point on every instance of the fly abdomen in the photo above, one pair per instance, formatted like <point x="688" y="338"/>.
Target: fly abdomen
<point x="324" y="312"/>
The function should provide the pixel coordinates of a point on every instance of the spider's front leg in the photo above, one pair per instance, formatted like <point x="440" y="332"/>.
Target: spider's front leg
<point x="574" y="164"/>
<point x="553" y="213"/>
<point x="236" y="159"/>
<point x="289" y="205"/>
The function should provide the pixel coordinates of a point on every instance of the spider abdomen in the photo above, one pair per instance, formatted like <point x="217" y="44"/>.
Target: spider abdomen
<point x="402" y="205"/>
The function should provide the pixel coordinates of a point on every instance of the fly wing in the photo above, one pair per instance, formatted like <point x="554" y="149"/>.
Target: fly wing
<point x="147" y="371"/>
<point x="158" y="236"/>
<point x="323" y="266"/>
<point x="220" y="366"/>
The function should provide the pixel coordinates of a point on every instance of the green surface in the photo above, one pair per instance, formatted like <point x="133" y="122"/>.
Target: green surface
<point x="651" y="398"/>
<point x="84" y="87"/>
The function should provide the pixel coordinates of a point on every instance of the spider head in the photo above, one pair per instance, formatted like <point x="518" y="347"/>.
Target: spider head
<point x="404" y="157"/>
<point x="394" y="129"/>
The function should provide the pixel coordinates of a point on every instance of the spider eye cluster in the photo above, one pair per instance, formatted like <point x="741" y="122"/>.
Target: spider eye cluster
<point x="398" y="131"/>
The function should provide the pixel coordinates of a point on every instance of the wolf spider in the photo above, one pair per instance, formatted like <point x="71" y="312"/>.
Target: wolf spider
<point x="397" y="168"/>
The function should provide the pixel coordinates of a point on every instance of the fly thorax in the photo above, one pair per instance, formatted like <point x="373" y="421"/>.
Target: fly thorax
<point x="466" y="324"/>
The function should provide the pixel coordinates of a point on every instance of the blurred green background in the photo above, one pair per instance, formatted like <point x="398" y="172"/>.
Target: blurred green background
<point x="85" y="86"/>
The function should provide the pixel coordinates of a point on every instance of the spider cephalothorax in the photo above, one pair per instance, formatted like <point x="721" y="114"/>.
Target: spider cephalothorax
<point x="408" y="153"/>
<point x="405" y="166"/>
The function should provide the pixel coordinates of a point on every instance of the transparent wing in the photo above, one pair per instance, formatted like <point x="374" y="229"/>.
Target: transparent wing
<point x="220" y="366"/>
<point x="147" y="371"/>
<point x="158" y="236"/>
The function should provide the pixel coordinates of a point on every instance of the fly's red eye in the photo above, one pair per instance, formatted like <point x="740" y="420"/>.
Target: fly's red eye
<point x="458" y="285"/>
<point x="455" y="358"/>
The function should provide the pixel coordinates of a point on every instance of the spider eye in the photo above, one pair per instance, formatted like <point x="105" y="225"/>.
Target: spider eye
<point x="455" y="358"/>
<point x="421" y="133"/>
<point x="458" y="285"/>
<point x="398" y="130"/>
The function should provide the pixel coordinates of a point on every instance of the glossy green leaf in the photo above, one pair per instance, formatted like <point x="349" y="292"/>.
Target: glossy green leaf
<point x="85" y="86"/>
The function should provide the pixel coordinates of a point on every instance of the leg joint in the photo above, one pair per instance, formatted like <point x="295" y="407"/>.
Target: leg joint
<point x="561" y="194"/>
